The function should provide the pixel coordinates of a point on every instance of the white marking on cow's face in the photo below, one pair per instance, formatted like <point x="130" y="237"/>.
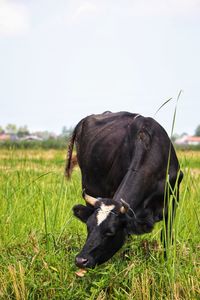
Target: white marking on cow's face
<point x="103" y="212"/>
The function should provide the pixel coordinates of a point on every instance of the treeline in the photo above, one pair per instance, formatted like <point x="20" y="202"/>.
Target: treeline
<point x="62" y="142"/>
<point x="21" y="138"/>
<point x="58" y="143"/>
<point x="13" y="137"/>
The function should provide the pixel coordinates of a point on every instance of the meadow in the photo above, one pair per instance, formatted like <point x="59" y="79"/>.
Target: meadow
<point x="39" y="237"/>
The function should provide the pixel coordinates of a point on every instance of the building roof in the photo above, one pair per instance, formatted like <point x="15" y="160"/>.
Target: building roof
<point x="187" y="139"/>
<point x="4" y="137"/>
<point x="193" y="138"/>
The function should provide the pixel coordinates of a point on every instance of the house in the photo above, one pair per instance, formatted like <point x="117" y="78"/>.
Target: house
<point x="31" y="138"/>
<point x="188" y="140"/>
<point x="4" y="137"/>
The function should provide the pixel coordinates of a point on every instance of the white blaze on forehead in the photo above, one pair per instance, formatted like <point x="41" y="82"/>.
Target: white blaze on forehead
<point x="103" y="212"/>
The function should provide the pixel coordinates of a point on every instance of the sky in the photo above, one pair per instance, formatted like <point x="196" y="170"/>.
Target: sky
<point x="63" y="60"/>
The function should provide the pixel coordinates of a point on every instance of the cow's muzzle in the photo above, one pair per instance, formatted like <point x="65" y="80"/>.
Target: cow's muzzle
<point x="81" y="262"/>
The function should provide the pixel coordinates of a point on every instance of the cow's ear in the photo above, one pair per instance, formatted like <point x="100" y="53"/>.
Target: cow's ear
<point x="82" y="212"/>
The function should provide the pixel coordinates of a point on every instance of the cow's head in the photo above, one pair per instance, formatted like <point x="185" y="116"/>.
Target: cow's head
<point x="105" y="220"/>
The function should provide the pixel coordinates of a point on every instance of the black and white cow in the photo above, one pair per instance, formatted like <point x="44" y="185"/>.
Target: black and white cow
<point x="125" y="161"/>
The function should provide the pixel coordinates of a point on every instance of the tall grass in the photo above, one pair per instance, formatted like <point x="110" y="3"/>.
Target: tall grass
<point x="171" y="201"/>
<point x="39" y="238"/>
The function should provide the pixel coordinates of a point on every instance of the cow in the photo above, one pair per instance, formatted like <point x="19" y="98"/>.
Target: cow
<point x="129" y="169"/>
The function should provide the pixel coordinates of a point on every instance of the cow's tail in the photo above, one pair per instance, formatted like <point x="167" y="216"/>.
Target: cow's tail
<point x="69" y="164"/>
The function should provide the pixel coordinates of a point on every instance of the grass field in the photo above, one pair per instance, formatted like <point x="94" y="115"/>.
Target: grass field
<point x="39" y="238"/>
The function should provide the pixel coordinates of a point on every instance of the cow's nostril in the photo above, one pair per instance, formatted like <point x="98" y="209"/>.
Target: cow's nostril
<point x="81" y="262"/>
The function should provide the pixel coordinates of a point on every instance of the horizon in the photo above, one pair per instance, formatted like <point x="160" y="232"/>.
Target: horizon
<point x="70" y="128"/>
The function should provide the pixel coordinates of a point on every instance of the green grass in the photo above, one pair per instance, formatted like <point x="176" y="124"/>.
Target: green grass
<point x="39" y="238"/>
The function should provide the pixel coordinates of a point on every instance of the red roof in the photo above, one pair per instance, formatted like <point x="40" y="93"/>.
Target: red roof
<point x="193" y="139"/>
<point x="4" y="137"/>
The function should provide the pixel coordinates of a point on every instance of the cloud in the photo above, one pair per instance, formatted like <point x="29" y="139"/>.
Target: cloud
<point x="14" y="19"/>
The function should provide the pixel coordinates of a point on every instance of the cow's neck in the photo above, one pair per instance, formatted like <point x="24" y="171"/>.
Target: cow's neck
<point x="131" y="189"/>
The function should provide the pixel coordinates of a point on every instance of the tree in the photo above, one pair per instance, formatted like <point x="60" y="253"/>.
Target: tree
<point x="197" y="131"/>
<point x="23" y="131"/>
<point x="11" y="129"/>
<point x="1" y="129"/>
<point x="66" y="131"/>
<point x="174" y="137"/>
